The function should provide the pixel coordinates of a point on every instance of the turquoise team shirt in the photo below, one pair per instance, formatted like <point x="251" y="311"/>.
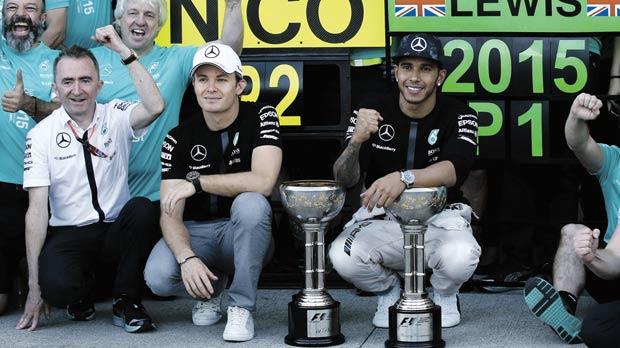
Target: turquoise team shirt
<point x="609" y="178"/>
<point x="83" y="17"/>
<point x="170" y="68"/>
<point x="37" y="65"/>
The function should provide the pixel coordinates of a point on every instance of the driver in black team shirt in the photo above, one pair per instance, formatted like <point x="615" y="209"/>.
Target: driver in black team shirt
<point x="408" y="137"/>
<point x="215" y="218"/>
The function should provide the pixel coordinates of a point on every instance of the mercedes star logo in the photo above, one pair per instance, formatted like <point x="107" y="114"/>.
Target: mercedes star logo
<point x="63" y="139"/>
<point x="386" y="132"/>
<point x="198" y="153"/>
<point x="212" y="51"/>
<point x="418" y="44"/>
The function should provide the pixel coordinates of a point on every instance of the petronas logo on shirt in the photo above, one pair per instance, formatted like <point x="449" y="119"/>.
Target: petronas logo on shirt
<point x="432" y="137"/>
<point x="44" y="65"/>
<point x="236" y="139"/>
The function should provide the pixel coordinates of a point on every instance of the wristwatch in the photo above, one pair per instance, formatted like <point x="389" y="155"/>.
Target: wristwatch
<point x="132" y="57"/>
<point x="194" y="178"/>
<point x="407" y="177"/>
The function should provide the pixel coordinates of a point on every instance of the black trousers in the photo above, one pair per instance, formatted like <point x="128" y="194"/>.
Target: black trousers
<point x="13" y="205"/>
<point x="77" y="261"/>
<point x="601" y="326"/>
<point x="602" y="290"/>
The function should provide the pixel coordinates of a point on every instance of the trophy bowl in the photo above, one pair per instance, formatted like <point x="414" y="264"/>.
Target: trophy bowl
<point x="418" y="204"/>
<point x="312" y="201"/>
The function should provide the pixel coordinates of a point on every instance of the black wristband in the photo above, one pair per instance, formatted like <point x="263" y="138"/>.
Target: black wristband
<point x="186" y="259"/>
<point x="614" y="77"/>
<point x="129" y="59"/>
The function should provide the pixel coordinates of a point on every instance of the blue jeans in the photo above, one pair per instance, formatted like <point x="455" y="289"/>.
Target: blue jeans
<point x="238" y="246"/>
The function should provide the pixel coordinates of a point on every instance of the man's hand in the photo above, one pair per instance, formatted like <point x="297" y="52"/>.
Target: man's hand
<point x="182" y="190"/>
<point x="366" y="124"/>
<point x="108" y="37"/>
<point x="383" y="191"/>
<point x="32" y="311"/>
<point x="585" y="243"/>
<point x="14" y="100"/>
<point x="586" y="107"/>
<point x="197" y="278"/>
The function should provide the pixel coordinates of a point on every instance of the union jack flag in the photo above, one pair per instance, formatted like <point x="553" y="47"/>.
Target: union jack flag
<point x="420" y="8"/>
<point x="603" y="8"/>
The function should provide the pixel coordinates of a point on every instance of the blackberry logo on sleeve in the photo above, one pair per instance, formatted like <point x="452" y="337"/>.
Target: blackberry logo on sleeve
<point x="63" y="140"/>
<point x="386" y="132"/>
<point x="432" y="137"/>
<point x="122" y="105"/>
<point x="198" y="153"/>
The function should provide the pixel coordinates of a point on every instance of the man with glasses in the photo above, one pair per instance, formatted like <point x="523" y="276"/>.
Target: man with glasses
<point x="78" y="158"/>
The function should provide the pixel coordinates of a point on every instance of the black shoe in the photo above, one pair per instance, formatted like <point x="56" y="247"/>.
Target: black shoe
<point x="80" y="311"/>
<point x="131" y="315"/>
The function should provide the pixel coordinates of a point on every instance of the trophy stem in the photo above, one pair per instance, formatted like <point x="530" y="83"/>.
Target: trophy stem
<point x="414" y="258"/>
<point x="315" y="256"/>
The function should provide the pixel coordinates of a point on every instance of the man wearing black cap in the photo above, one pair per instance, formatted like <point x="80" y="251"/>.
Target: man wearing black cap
<point x="408" y="137"/>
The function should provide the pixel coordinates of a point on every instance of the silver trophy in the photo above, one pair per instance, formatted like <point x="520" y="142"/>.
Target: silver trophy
<point x="414" y="320"/>
<point x="313" y="315"/>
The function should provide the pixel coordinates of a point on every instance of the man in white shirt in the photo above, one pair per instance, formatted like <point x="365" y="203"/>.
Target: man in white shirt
<point x="78" y="158"/>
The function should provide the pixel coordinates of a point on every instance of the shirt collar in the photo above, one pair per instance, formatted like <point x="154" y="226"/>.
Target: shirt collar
<point x="65" y="118"/>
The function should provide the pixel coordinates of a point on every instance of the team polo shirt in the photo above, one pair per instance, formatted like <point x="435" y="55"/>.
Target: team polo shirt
<point x="37" y="71"/>
<point x="448" y="132"/>
<point x="609" y="179"/>
<point x="170" y="68"/>
<point x="83" y="18"/>
<point x="193" y="146"/>
<point x="55" y="158"/>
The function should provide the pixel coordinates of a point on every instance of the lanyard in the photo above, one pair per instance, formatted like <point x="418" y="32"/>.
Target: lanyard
<point x="84" y="141"/>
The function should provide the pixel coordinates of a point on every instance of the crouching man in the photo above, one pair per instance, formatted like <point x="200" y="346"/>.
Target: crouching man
<point x="217" y="170"/>
<point x="78" y="159"/>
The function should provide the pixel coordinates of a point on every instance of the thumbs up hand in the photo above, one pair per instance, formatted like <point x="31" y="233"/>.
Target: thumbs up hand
<point x="14" y="99"/>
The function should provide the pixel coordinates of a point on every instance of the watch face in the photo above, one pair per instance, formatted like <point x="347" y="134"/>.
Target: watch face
<point x="192" y="175"/>
<point x="407" y="177"/>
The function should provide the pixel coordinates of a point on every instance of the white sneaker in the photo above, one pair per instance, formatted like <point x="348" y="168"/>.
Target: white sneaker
<point x="208" y="312"/>
<point x="450" y="312"/>
<point x="240" y="325"/>
<point x="381" y="318"/>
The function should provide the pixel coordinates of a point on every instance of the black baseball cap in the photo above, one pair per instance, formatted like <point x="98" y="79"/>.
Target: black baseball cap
<point x="420" y="45"/>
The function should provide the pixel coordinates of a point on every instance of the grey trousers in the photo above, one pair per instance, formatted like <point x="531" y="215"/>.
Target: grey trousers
<point x="238" y="246"/>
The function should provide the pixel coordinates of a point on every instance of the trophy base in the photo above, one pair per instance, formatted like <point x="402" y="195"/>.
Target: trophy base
<point x="314" y="342"/>
<point x="415" y="328"/>
<point x="314" y="326"/>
